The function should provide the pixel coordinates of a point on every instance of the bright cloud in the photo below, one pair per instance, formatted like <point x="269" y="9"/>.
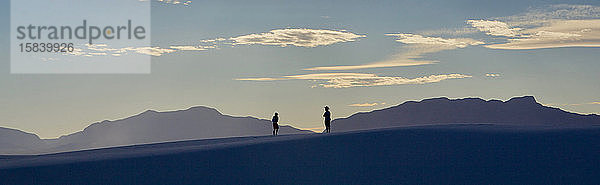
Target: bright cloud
<point x="544" y="14"/>
<point x="176" y="2"/>
<point x="418" y="46"/>
<point x="281" y="37"/>
<point x="300" y="37"/>
<point x="449" y="31"/>
<point x="494" y="28"/>
<point x="152" y="51"/>
<point x="492" y="75"/>
<point x="346" y="80"/>
<point x="547" y="27"/>
<point x="104" y="50"/>
<point x="258" y="79"/>
<point x="192" y="48"/>
<point x="365" y="104"/>
<point x="557" y="33"/>
<point x="213" y="40"/>
<point x="419" y="39"/>
<point x="575" y="104"/>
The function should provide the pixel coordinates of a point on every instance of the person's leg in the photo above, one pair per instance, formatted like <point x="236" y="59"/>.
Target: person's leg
<point x="273" y="131"/>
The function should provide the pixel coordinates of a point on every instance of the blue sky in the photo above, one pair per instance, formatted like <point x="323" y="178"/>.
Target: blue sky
<point x="262" y="51"/>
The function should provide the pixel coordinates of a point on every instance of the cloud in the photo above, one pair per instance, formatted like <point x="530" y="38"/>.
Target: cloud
<point x="152" y="51"/>
<point x="90" y="50"/>
<point x="346" y="80"/>
<point x="576" y="104"/>
<point x="413" y="54"/>
<point x="192" y="48"/>
<point x="49" y="59"/>
<point x="281" y="37"/>
<point x="188" y="48"/>
<point x="492" y="75"/>
<point x="552" y="26"/>
<point x="390" y="63"/>
<point x="213" y="40"/>
<point x="365" y="104"/>
<point x="556" y="34"/>
<point x="540" y="15"/>
<point x="494" y="28"/>
<point x="300" y="37"/>
<point x="176" y="2"/>
<point x="437" y="41"/>
<point x="449" y="31"/>
<point x="258" y="79"/>
<point x="589" y="103"/>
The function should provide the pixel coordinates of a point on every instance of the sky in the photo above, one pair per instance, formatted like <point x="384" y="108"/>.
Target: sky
<point x="294" y="57"/>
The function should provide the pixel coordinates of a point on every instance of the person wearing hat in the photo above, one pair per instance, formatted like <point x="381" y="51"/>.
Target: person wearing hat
<point x="327" y="116"/>
<point x="275" y="125"/>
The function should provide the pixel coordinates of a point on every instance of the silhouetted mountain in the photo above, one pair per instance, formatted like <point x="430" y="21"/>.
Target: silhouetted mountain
<point x="516" y="111"/>
<point x="154" y="127"/>
<point x="15" y="141"/>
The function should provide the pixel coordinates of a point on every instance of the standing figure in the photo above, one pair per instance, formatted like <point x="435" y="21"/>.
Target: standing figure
<point x="327" y="116"/>
<point x="275" y="125"/>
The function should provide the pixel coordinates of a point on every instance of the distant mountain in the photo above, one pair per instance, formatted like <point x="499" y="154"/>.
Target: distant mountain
<point x="516" y="111"/>
<point x="154" y="127"/>
<point x="15" y="142"/>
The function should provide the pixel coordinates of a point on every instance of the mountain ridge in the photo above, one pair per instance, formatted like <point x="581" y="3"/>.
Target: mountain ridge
<point x="524" y="110"/>
<point x="150" y="126"/>
<point x="202" y="122"/>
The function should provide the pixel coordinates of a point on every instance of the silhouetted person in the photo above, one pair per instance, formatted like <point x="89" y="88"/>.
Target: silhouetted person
<point x="275" y="125"/>
<point x="327" y="116"/>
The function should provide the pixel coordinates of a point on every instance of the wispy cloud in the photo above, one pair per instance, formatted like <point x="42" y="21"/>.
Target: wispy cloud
<point x="90" y="50"/>
<point x="176" y="2"/>
<point x="103" y="50"/>
<point x="540" y="15"/>
<point x="437" y="41"/>
<point x="279" y="37"/>
<point x="214" y="41"/>
<point x="259" y="79"/>
<point x="558" y="33"/>
<point x="366" y="104"/>
<point x="449" y="31"/>
<point x="548" y="27"/>
<point x="589" y="103"/>
<point x="413" y="54"/>
<point x="192" y="48"/>
<point x="346" y="80"/>
<point x="575" y="104"/>
<point x="172" y="2"/>
<point x="300" y="37"/>
<point x="492" y="75"/>
<point x="153" y="51"/>
<point x="494" y="28"/>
